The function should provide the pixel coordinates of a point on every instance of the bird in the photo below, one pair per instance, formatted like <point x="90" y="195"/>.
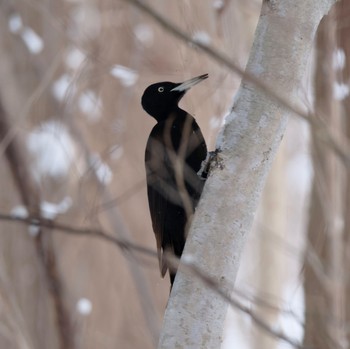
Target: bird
<point x="174" y="158"/>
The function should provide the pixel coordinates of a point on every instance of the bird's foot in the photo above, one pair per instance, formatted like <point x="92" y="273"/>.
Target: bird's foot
<point x="213" y="160"/>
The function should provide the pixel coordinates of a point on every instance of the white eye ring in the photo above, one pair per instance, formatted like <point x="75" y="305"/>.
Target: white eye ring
<point x="160" y="89"/>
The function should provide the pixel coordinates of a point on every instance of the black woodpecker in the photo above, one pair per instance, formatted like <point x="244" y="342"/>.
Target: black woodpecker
<point x="174" y="154"/>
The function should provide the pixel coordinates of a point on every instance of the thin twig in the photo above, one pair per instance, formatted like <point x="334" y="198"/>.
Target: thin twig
<point x="71" y="230"/>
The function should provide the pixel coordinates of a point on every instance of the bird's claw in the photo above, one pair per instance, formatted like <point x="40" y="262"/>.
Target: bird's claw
<point x="212" y="160"/>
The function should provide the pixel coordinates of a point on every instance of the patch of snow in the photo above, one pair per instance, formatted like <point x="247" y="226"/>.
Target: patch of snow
<point x="84" y="306"/>
<point x="62" y="86"/>
<point x="144" y="34"/>
<point x="87" y="21"/>
<point x="32" y="40"/>
<point x="15" y="23"/>
<point x="50" y="210"/>
<point x="74" y="58"/>
<point x="218" y="4"/>
<point x="201" y="37"/>
<point x="125" y="75"/>
<point x="340" y="91"/>
<point x="102" y="170"/>
<point x="339" y="59"/>
<point x="19" y="212"/>
<point x="33" y="230"/>
<point x="52" y="149"/>
<point x="91" y="105"/>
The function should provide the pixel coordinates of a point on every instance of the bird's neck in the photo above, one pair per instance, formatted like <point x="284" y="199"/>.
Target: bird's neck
<point x="174" y="113"/>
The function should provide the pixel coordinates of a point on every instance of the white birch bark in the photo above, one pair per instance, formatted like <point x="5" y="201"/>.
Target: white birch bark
<point x="284" y="36"/>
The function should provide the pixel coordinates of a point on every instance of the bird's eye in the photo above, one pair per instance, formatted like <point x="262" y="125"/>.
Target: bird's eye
<point x="160" y="89"/>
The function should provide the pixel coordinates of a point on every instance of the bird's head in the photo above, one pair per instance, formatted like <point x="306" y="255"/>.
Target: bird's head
<point x="161" y="99"/>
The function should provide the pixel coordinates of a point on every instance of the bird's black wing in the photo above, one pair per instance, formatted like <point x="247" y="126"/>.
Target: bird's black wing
<point x="166" y="200"/>
<point x="159" y="188"/>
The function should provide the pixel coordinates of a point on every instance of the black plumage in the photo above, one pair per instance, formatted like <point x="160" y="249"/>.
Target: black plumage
<point x="174" y="154"/>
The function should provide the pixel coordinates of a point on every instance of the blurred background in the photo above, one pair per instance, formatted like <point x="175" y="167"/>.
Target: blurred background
<point x="71" y="77"/>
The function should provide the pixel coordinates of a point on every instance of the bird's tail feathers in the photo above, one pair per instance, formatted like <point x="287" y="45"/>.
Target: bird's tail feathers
<point x="162" y="263"/>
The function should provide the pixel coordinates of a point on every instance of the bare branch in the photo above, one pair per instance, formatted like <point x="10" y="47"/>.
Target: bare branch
<point x="70" y="230"/>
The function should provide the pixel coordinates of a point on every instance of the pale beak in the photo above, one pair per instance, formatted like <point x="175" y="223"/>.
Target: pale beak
<point x="186" y="85"/>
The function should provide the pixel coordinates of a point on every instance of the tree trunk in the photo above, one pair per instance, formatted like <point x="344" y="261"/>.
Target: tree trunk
<point x="195" y="314"/>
